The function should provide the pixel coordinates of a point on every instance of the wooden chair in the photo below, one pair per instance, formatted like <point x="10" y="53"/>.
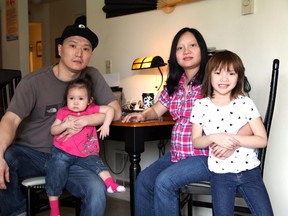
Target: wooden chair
<point x="203" y="188"/>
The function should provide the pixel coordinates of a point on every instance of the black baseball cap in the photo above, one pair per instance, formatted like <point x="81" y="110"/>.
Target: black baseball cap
<point x="80" y="30"/>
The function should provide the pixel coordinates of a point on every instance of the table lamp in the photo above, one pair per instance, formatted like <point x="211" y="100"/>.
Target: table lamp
<point x="149" y="62"/>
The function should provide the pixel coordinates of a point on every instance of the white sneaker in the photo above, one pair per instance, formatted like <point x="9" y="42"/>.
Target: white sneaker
<point x="120" y="189"/>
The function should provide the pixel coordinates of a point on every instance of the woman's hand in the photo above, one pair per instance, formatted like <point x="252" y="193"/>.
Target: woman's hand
<point x="224" y="145"/>
<point x="154" y="112"/>
<point x="225" y="140"/>
<point x="134" y="117"/>
<point x="220" y="152"/>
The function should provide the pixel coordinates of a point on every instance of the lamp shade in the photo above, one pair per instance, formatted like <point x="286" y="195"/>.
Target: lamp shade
<point x="148" y="62"/>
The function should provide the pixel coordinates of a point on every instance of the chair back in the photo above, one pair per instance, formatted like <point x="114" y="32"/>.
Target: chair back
<point x="9" y="79"/>
<point x="270" y="109"/>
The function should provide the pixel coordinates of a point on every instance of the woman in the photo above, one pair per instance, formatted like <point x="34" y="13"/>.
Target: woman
<point x="157" y="186"/>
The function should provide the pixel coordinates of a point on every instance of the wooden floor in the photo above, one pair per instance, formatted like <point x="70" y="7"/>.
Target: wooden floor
<point x="115" y="207"/>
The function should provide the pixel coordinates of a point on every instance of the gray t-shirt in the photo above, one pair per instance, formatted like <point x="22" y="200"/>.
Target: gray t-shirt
<point x="38" y="97"/>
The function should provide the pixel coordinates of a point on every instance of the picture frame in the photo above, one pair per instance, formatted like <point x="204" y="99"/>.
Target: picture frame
<point x="39" y="48"/>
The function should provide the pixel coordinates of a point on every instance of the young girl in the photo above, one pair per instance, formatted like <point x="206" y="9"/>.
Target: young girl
<point x="81" y="149"/>
<point x="220" y="114"/>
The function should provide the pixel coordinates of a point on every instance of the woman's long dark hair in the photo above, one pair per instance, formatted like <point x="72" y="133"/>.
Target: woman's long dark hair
<point x="175" y="70"/>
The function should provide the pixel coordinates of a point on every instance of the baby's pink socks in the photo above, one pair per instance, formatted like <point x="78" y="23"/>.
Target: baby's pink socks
<point x="54" y="205"/>
<point x="113" y="187"/>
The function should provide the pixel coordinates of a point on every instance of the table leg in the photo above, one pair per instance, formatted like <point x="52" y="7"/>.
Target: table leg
<point x="134" y="171"/>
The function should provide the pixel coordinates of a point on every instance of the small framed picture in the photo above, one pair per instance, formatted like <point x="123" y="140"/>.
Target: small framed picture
<point x="39" y="48"/>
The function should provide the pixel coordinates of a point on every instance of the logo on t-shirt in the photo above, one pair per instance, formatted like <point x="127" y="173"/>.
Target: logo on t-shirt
<point x="51" y="110"/>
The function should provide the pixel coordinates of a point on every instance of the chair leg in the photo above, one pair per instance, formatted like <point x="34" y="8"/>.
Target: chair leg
<point x="190" y="205"/>
<point x="29" y="205"/>
<point x="78" y="206"/>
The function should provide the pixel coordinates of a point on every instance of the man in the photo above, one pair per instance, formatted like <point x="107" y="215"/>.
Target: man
<point x="25" y="138"/>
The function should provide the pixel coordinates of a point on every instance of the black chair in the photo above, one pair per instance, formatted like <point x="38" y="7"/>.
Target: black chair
<point x="8" y="82"/>
<point x="37" y="199"/>
<point x="203" y="188"/>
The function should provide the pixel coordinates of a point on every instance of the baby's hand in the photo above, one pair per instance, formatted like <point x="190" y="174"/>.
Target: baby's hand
<point x="104" y="131"/>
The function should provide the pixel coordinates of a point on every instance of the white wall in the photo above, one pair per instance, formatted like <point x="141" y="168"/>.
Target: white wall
<point x="258" y="39"/>
<point x="54" y="21"/>
<point x="15" y="54"/>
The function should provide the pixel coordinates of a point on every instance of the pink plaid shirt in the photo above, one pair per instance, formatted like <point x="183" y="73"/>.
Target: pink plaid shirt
<point x="180" y="107"/>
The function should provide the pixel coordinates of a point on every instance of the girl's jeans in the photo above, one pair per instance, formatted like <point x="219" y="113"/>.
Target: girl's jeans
<point x="157" y="186"/>
<point x="25" y="162"/>
<point x="58" y="168"/>
<point x="251" y="186"/>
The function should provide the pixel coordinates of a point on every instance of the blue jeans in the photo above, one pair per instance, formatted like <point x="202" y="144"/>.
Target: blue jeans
<point x="25" y="162"/>
<point x="251" y="186"/>
<point x="157" y="186"/>
<point x="58" y="169"/>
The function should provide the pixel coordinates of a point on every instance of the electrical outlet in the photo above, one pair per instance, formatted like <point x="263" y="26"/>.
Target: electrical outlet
<point x="247" y="7"/>
<point x="108" y="65"/>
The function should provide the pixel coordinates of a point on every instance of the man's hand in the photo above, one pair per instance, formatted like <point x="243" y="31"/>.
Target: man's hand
<point x="69" y="123"/>
<point x="78" y="124"/>
<point x="68" y="134"/>
<point x="4" y="174"/>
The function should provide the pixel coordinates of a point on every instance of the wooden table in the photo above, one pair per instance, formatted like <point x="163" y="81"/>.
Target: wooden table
<point x="134" y="134"/>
